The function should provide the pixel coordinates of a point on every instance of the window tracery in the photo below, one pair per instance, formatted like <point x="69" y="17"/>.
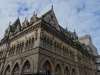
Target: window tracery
<point x="65" y="52"/>
<point x="58" y="70"/>
<point x="73" y="72"/>
<point x="7" y="71"/>
<point x="72" y="56"/>
<point x="66" y="71"/>
<point x="57" y="48"/>
<point x="47" y="42"/>
<point x="26" y="68"/>
<point x="79" y="58"/>
<point x="15" y="70"/>
<point x="29" y="44"/>
<point x="47" y="68"/>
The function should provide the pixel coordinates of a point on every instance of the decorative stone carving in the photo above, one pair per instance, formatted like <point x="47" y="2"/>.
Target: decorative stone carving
<point x="36" y="34"/>
<point x="22" y="59"/>
<point x="34" y="18"/>
<point x="7" y="72"/>
<point x="53" y="60"/>
<point x="16" y="70"/>
<point x="27" y="67"/>
<point x="25" y="23"/>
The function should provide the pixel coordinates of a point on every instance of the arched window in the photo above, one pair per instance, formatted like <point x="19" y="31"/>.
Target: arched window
<point x="22" y="46"/>
<point x="47" y="68"/>
<point x="26" y="69"/>
<point x="72" y="56"/>
<point x="20" y="50"/>
<point x="13" y="49"/>
<point x="66" y="71"/>
<point x="7" y="71"/>
<point x="58" y="70"/>
<point x="16" y="70"/>
<point x="32" y="43"/>
<point x="36" y="34"/>
<point x="55" y="47"/>
<point x="73" y="72"/>
<point x="17" y="51"/>
<point x="26" y="45"/>
<point x="50" y="45"/>
<point x="44" y="42"/>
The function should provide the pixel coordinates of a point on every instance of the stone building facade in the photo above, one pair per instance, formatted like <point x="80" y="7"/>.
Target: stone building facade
<point x="42" y="47"/>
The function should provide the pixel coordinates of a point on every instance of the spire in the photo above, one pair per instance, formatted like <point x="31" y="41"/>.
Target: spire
<point x="25" y="23"/>
<point x="74" y="31"/>
<point x="52" y="7"/>
<point x="9" y="23"/>
<point x="16" y="24"/>
<point x="66" y="28"/>
<point x="25" y="19"/>
<point x="34" y="14"/>
<point x="34" y="18"/>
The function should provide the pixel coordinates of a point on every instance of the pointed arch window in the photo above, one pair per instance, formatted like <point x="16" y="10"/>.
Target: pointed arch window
<point x="32" y="43"/>
<point x="47" y="70"/>
<point x="26" y="45"/>
<point x="44" y="42"/>
<point x="58" y="70"/>
<point x="16" y="70"/>
<point x="73" y="72"/>
<point x="66" y="71"/>
<point x="26" y="69"/>
<point x="7" y="71"/>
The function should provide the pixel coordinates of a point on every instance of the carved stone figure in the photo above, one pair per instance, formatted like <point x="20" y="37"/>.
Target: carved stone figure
<point x="25" y="23"/>
<point x="34" y="18"/>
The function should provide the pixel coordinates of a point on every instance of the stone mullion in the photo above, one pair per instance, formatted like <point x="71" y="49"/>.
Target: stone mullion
<point x="24" y="47"/>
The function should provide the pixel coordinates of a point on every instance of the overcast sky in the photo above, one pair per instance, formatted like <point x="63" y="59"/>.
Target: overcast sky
<point x="81" y="15"/>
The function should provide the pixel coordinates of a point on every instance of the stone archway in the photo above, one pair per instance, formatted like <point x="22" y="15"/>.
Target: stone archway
<point x="47" y="69"/>
<point x="26" y="69"/>
<point x="73" y="72"/>
<point x="66" y="71"/>
<point x="58" y="70"/>
<point x="7" y="71"/>
<point x="16" y="70"/>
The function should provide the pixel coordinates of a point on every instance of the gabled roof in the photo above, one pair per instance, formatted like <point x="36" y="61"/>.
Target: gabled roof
<point x="50" y="18"/>
<point x="16" y="25"/>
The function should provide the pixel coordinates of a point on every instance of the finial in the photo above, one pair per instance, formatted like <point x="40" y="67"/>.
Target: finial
<point x="25" y="18"/>
<point x="74" y="30"/>
<point x="52" y="7"/>
<point x="9" y="23"/>
<point x="66" y="28"/>
<point x="34" y="13"/>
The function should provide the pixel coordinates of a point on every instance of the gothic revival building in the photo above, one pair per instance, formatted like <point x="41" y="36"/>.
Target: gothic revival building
<point x="43" y="47"/>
